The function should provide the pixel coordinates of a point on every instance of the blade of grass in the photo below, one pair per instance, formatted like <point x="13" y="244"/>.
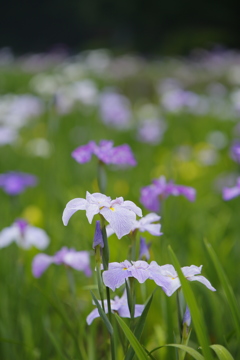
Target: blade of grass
<point x="188" y="349"/>
<point x="222" y="352"/>
<point x="197" y="319"/>
<point x="139" y="327"/>
<point x="137" y="347"/>
<point x="102" y="314"/>
<point x="234" y="307"/>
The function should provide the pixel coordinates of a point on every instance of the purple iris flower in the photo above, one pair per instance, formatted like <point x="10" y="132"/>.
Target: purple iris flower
<point x="24" y="235"/>
<point x="78" y="260"/>
<point x="144" y="224"/>
<point x="98" y="238"/>
<point x="231" y="192"/>
<point x="120" y="214"/>
<point x="187" y="317"/>
<point x="144" y="249"/>
<point x="119" y="305"/>
<point x="164" y="276"/>
<point x="14" y="183"/>
<point x="115" y="110"/>
<point x="105" y="152"/>
<point x="160" y="189"/>
<point x="235" y="151"/>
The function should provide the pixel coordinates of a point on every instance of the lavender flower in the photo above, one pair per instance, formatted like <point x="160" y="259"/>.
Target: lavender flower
<point x="144" y="224"/>
<point x="78" y="260"/>
<point x="119" y="305"/>
<point x="151" y="131"/>
<point x="98" y="238"/>
<point x="14" y="183"/>
<point x="115" y="110"/>
<point x="160" y="189"/>
<point x="231" y="192"/>
<point x="235" y="151"/>
<point x="144" y="249"/>
<point x="164" y="276"/>
<point x="105" y="152"/>
<point x="24" y="235"/>
<point x="119" y="213"/>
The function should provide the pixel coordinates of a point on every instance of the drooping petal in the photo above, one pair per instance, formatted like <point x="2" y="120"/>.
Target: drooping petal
<point x="34" y="236"/>
<point x="133" y="207"/>
<point x="115" y="276"/>
<point x="149" y="218"/>
<point x="79" y="260"/>
<point x="191" y="270"/>
<point x="153" y="229"/>
<point x="83" y="153"/>
<point x="91" y="211"/>
<point x="40" y="263"/>
<point x="120" y="219"/>
<point x="8" y="235"/>
<point x="202" y="280"/>
<point x="230" y="193"/>
<point x="139" y="270"/>
<point x="94" y="314"/>
<point x="71" y="207"/>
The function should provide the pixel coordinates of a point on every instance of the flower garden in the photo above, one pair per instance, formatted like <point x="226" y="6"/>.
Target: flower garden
<point x="119" y="186"/>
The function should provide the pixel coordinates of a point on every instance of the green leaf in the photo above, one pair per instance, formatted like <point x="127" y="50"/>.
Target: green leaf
<point x="234" y="307"/>
<point x="197" y="319"/>
<point x="139" y="327"/>
<point x="222" y="352"/>
<point x="137" y="347"/>
<point x="102" y="314"/>
<point x="188" y="349"/>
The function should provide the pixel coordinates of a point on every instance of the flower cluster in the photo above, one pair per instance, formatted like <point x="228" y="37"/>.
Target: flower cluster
<point x="105" y="152"/>
<point x="164" y="276"/>
<point x="120" y="214"/>
<point x="160" y="189"/>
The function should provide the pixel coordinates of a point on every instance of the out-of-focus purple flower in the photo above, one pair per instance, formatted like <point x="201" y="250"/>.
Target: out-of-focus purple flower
<point x="98" y="238"/>
<point x="151" y="131"/>
<point x="177" y="99"/>
<point x="160" y="189"/>
<point x="115" y="110"/>
<point x="119" y="213"/>
<point x="24" y="235"/>
<point x="144" y="249"/>
<point x="187" y="317"/>
<point x="119" y="305"/>
<point x="235" y="151"/>
<point x="7" y="135"/>
<point x="144" y="224"/>
<point x="231" y="192"/>
<point x="14" y="183"/>
<point x="164" y="276"/>
<point x="78" y="260"/>
<point x="105" y="152"/>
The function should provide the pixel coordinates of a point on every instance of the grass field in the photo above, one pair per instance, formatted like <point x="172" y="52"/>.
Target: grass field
<point x="196" y="106"/>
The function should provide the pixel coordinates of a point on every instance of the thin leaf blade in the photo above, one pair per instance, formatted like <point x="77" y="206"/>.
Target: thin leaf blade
<point x="197" y="319"/>
<point x="222" y="352"/>
<point x="139" y="351"/>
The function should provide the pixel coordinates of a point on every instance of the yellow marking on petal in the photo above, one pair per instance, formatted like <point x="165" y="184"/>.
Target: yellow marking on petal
<point x="124" y="268"/>
<point x="112" y="208"/>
